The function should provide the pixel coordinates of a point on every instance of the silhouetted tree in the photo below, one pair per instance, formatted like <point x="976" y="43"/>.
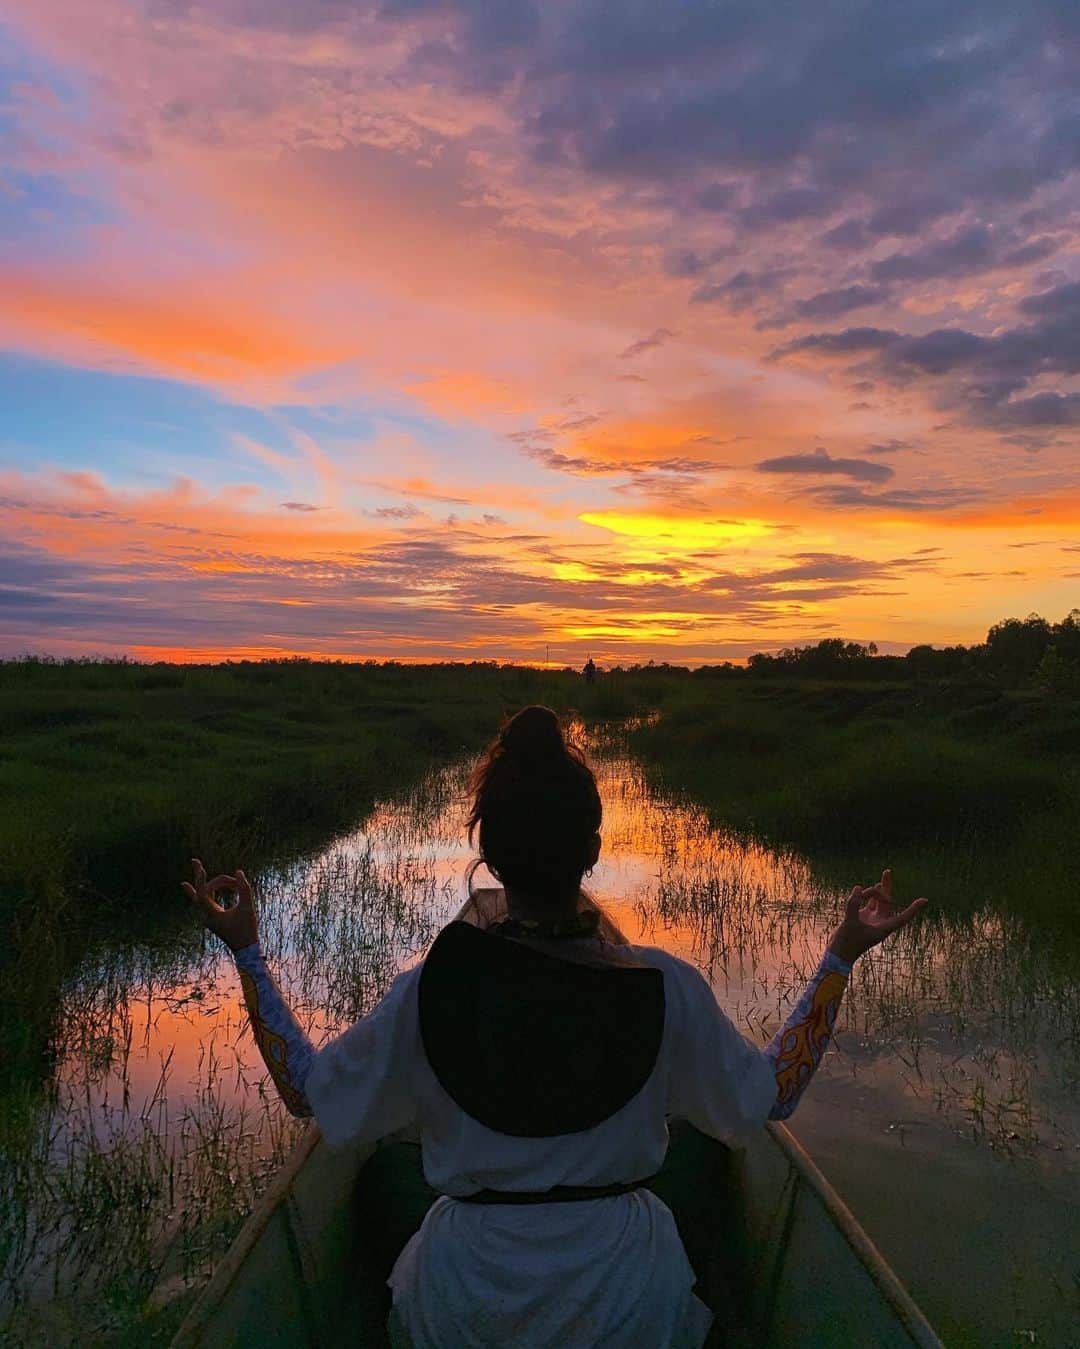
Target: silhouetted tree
<point x="1015" y="647"/>
<point x="1065" y="636"/>
<point x="1016" y="651"/>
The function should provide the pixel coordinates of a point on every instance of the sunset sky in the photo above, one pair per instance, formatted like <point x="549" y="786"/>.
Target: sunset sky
<point x="443" y="329"/>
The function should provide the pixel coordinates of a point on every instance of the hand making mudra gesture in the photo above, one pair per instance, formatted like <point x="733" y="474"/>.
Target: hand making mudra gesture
<point x="236" y="925"/>
<point x="869" y="918"/>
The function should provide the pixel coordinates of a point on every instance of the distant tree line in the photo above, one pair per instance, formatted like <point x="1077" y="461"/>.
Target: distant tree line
<point x="1017" y="651"/>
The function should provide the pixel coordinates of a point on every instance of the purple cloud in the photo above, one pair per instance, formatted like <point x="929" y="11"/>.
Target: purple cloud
<point x="983" y="374"/>
<point x="822" y="462"/>
<point x="655" y="339"/>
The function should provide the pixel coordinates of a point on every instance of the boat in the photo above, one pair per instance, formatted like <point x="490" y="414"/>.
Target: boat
<point x="778" y="1256"/>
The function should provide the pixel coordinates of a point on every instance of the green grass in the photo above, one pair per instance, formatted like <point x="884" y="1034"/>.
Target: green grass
<point x="112" y="772"/>
<point x="106" y="770"/>
<point x="130" y="1222"/>
<point x="962" y="783"/>
<point x="113" y="775"/>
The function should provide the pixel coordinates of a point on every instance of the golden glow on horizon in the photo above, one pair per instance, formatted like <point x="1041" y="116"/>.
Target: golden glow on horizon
<point x="620" y="584"/>
<point x="675" y="532"/>
<point x="637" y="627"/>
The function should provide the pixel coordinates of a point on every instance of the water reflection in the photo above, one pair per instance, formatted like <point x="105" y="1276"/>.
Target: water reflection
<point x="161" y="1124"/>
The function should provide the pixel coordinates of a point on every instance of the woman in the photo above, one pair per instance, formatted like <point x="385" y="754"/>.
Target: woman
<point x="539" y="1057"/>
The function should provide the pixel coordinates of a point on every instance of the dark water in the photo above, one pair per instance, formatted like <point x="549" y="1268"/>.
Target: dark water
<point x="946" y="1115"/>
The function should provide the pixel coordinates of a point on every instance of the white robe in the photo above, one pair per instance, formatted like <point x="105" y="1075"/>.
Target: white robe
<point x="608" y="1272"/>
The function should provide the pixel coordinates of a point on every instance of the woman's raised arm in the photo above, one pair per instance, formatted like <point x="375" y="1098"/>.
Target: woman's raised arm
<point x="797" y="1048"/>
<point x="285" y="1048"/>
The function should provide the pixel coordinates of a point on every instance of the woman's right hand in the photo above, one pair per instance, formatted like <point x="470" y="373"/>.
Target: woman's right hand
<point x="869" y="919"/>
<point x="236" y="926"/>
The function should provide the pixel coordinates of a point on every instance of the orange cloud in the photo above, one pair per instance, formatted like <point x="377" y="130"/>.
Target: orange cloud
<point x="467" y="393"/>
<point x="1053" y="510"/>
<point x="307" y="213"/>
<point x="172" y="333"/>
<point x="497" y="495"/>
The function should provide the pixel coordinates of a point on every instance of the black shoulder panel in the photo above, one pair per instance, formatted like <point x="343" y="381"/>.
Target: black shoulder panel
<point x="531" y="1045"/>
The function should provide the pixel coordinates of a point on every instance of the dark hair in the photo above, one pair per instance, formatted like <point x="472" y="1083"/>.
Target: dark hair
<point x="537" y="807"/>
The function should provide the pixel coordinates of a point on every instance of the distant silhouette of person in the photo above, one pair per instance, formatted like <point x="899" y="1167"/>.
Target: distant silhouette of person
<point x="538" y="1054"/>
<point x="590" y="671"/>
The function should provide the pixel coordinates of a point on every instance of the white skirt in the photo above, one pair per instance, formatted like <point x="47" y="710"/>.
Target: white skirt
<point x="577" y="1275"/>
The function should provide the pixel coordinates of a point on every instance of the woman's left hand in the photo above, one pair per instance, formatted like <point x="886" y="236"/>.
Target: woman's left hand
<point x="236" y="926"/>
<point x="870" y="918"/>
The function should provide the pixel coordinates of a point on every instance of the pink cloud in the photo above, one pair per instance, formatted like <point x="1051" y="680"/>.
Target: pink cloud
<point x="466" y="234"/>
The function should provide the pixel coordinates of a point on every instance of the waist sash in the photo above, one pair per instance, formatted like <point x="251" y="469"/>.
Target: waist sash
<point x="558" y="1194"/>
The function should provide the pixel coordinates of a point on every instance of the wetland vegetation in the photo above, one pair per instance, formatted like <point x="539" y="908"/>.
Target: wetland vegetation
<point x="960" y="780"/>
<point x="113" y="774"/>
<point x="737" y="803"/>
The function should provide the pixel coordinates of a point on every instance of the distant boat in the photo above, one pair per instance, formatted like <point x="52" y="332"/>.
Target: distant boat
<point x="778" y="1256"/>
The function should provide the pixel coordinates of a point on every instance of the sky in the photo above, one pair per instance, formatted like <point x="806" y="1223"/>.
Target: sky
<point x="493" y="329"/>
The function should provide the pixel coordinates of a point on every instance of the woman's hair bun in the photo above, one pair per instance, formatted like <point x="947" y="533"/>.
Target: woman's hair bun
<point x="533" y="737"/>
<point x="535" y="800"/>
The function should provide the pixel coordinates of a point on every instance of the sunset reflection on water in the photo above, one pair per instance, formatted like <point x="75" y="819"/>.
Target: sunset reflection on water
<point x="941" y="1074"/>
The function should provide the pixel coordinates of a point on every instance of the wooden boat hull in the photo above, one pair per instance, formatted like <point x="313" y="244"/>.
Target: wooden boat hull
<point x="784" y="1258"/>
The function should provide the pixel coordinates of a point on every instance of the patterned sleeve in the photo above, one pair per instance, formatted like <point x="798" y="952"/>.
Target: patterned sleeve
<point x="797" y="1048"/>
<point x="286" y="1050"/>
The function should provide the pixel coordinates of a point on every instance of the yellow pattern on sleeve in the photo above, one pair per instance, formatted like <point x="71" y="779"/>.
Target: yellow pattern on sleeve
<point x="804" y="1043"/>
<point x="273" y="1048"/>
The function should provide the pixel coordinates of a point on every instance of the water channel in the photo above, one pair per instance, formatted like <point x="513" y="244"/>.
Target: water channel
<point x="946" y="1114"/>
